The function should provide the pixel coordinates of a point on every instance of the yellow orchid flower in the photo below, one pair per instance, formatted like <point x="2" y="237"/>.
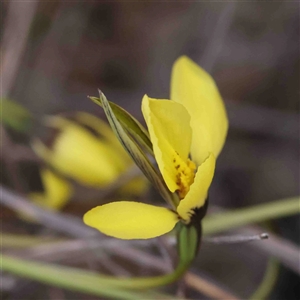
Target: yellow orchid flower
<point x="187" y="134"/>
<point x="88" y="152"/>
<point x="57" y="191"/>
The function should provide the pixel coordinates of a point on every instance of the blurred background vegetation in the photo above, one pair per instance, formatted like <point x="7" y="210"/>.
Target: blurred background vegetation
<point x="54" y="54"/>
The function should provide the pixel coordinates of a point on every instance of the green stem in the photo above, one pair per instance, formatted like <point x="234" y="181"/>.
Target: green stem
<point x="151" y="282"/>
<point x="86" y="281"/>
<point x="188" y="241"/>
<point x="232" y="219"/>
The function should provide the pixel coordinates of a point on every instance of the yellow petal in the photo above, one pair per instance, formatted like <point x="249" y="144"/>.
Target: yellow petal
<point x="103" y="129"/>
<point x="197" y="91"/>
<point x="78" y="154"/>
<point x="131" y="220"/>
<point x="137" y="186"/>
<point x="168" y="123"/>
<point x="57" y="191"/>
<point x="197" y="194"/>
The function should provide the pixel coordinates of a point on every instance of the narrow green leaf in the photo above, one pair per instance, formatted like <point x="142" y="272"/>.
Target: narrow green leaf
<point x="223" y="221"/>
<point x="91" y="282"/>
<point x="15" y="115"/>
<point x="76" y="279"/>
<point x="136" y="152"/>
<point x="130" y="123"/>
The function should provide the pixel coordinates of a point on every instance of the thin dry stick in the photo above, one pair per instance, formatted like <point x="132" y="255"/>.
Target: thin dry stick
<point x="61" y="250"/>
<point x="236" y="239"/>
<point x="16" y="28"/>
<point x="192" y="280"/>
<point x="131" y="253"/>
<point x="54" y="220"/>
<point x="113" y="267"/>
<point x="285" y="251"/>
<point x="205" y="287"/>
<point x="143" y="258"/>
<point x="104" y="258"/>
